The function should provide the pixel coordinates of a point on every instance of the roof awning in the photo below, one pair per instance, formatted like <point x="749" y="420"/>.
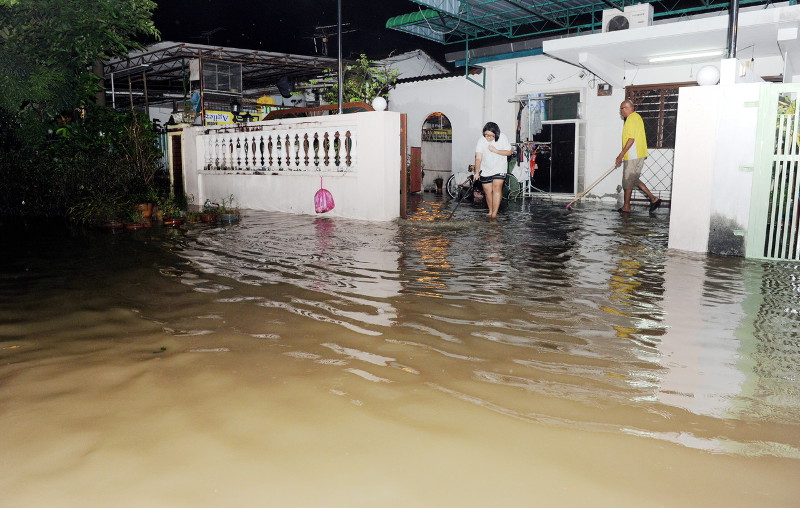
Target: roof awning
<point x="418" y="23"/>
<point x="463" y="21"/>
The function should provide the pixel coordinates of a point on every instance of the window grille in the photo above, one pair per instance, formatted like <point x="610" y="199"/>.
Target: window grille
<point x="658" y="106"/>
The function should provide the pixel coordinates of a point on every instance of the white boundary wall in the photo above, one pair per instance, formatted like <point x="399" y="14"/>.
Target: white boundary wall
<point x="369" y="190"/>
<point x="715" y="141"/>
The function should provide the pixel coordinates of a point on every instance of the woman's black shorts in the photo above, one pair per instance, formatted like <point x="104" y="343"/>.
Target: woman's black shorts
<point x="488" y="179"/>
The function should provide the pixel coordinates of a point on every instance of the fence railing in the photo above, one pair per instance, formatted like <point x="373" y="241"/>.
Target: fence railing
<point x="258" y="147"/>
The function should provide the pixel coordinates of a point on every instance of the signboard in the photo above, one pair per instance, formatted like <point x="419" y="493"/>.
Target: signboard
<point x="226" y="117"/>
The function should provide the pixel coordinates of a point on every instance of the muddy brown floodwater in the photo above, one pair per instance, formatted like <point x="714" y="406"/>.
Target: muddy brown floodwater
<point x="549" y="358"/>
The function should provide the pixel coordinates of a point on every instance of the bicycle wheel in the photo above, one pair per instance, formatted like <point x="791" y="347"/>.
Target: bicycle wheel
<point x="512" y="189"/>
<point x="452" y="187"/>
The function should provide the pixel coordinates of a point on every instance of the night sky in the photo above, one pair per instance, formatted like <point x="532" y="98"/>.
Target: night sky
<point x="289" y="26"/>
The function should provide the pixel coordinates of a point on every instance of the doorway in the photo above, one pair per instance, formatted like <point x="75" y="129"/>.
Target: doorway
<point x="555" y="170"/>
<point x="437" y="149"/>
<point x="548" y="126"/>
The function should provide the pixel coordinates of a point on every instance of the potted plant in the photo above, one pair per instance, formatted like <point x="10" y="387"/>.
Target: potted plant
<point x="228" y="211"/>
<point x="135" y="219"/>
<point x="171" y="212"/>
<point x="439" y="182"/>
<point x="147" y="202"/>
<point x="192" y="216"/>
<point x="210" y="212"/>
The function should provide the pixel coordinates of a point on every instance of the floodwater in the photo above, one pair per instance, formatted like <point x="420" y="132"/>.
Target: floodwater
<point x="548" y="358"/>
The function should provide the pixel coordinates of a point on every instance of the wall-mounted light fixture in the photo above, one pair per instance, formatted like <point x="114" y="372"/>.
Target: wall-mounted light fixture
<point x="686" y="56"/>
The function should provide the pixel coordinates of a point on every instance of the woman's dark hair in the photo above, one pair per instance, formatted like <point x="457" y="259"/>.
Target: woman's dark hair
<point x="492" y="127"/>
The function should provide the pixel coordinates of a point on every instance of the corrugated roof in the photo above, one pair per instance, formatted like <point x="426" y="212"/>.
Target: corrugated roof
<point x="453" y="21"/>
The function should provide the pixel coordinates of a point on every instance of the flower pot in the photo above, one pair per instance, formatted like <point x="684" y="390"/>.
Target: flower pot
<point x="229" y="218"/>
<point x="172" y="222"/>
<point x="146" y="209"/>
<point x="208" y="217"/>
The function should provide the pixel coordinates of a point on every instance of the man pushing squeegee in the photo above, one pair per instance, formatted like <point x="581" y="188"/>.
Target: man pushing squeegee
<point x="632" y="156"/>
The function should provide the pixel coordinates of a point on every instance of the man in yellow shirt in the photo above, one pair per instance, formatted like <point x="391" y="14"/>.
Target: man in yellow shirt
<point x="633" y="154"/>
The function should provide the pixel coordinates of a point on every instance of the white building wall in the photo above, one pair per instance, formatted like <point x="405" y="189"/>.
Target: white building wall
<point x="710" y="191"/>
<point x="460" y="100"/>
<point x="436" y="156"/>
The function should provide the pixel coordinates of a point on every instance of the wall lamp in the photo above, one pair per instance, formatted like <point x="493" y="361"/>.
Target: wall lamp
<point x="686" y="56"/>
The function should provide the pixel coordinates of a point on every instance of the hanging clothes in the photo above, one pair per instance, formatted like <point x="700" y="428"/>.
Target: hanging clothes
<point x="536" y="105"/>
<point x="529" y="117"/>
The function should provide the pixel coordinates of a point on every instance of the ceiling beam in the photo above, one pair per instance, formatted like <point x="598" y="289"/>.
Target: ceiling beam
<point x="536" y="13"/>
<point x="603" y="69"/>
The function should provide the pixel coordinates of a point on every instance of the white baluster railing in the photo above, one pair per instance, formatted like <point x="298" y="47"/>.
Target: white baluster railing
<point x="266" y="147"/>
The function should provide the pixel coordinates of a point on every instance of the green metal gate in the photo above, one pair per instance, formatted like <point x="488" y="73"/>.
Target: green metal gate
<point x="773" y="229"/>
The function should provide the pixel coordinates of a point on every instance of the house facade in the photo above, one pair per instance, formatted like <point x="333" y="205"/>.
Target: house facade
<point x="701" y="108"/>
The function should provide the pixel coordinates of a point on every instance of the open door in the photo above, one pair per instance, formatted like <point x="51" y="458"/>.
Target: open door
<point x="415" y="185"/>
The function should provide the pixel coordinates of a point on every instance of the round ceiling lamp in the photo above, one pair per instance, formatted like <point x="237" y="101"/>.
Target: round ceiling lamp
<point x="708" y="75"/>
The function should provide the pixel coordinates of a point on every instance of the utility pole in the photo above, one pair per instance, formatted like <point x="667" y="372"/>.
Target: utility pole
<point x="339" y="41"/>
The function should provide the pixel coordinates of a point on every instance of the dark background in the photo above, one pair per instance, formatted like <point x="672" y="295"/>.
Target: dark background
<point x="290" y="26"/>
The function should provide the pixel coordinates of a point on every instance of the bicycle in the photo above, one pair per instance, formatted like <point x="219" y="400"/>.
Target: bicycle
<point x="452" y="187"/>
<point x="512" y="188"/>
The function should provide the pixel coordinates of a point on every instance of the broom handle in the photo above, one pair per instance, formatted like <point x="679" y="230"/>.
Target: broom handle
<point x="590" y="187"/>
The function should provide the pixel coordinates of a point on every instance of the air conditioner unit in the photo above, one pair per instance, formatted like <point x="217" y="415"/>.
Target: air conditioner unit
<point x="633" y="16"/>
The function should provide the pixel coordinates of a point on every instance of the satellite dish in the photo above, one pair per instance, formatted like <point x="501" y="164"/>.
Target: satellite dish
<point x="617" y="23"/>
<point x="285" y="87"/>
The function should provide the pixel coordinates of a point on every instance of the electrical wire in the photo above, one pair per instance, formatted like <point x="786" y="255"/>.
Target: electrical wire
<point x="523" y="80"/>
<point x="460" y="13"/>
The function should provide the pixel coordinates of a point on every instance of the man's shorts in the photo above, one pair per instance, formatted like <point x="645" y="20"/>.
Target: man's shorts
<point x="631" y="171"/>
<point x="488" y="179"/>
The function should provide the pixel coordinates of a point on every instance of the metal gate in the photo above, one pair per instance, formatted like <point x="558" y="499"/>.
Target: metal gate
<point x="773" y="224"/>
<point x="162" y="144"/>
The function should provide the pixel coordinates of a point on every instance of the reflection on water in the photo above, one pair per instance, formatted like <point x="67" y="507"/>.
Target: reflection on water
<point x="543" y="327"/>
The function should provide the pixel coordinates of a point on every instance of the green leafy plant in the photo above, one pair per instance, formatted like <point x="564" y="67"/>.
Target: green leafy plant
<point x="363" y="81"/>
<point x="99" y="209"/>
<point x="192" y="216"/>
<point x="228" y="205"/>
<point x="50" y="48"/>
<point x="171" y="207"/>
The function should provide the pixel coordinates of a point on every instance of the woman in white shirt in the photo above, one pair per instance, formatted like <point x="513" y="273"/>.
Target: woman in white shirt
<point x="491" y="165"/>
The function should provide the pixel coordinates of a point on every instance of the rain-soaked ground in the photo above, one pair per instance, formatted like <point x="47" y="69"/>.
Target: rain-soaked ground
<point x="548" y="358"/>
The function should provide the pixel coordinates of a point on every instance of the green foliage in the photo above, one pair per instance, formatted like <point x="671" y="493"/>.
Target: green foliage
<point x="98" y="209"/>
<point x="95" y="163"/>
<point x="172" y="207"/>
<point x="363" y="82"/>
<point x="48" y="49"/>
<point x="53" y="165"/>
<point x="228" y="205"/>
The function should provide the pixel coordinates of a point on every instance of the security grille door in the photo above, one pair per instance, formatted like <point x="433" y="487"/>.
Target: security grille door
<point x="773" y="228"/>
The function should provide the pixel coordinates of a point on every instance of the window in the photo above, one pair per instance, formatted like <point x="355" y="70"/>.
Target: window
<point x="658" y="106"/>
<point x="563" y="106"/>
<point x="222" y="76"/>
